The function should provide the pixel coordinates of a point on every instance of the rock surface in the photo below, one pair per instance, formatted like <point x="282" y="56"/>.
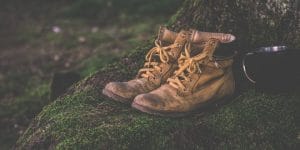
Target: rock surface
<point x="84" y="119"/>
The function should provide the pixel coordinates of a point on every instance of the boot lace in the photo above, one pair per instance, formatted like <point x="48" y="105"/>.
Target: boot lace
<point x="189" y="65"/>
<point x="152" y="65"/>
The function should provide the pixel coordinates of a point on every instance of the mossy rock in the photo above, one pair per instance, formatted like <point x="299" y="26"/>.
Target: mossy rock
<point x="85" y="119"/>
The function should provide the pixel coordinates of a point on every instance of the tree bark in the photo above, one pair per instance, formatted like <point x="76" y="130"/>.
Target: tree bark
<point x="255" y="23"/>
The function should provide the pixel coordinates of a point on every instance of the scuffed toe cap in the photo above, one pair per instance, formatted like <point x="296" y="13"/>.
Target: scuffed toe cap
<point x="149" y="101"/>
<point x="121" y="89"/>
<point x="113" y="86"/>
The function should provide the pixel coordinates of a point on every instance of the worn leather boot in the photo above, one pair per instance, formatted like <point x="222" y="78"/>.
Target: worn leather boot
<point x="200" y="81"/>
<point x="160" y="64"/>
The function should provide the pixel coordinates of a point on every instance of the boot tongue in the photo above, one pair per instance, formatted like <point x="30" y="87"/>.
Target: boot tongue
<point x="180" y="41"/>
<point x="182" y="37"/>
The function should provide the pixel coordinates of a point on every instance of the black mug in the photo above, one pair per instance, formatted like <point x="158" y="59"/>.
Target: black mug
<point x="273" y="68"/>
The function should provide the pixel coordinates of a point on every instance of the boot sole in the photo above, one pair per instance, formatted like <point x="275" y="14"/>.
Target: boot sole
<point x="116" y="97"/>
<point x="207" y="107"/>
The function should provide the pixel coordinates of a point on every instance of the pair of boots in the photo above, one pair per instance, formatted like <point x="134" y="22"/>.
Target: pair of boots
<point x="180" y="75"/>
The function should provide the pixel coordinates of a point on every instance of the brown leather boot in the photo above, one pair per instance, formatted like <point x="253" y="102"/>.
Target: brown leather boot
<point x="199" y="81"/>
<point x="161" y="62"/>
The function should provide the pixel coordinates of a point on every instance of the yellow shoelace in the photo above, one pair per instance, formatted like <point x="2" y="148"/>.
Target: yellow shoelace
<point x="151" y="66"/>
<point x="192" y="64"/>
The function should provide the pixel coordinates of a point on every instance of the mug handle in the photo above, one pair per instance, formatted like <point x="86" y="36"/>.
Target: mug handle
<point x="245" y="70"/>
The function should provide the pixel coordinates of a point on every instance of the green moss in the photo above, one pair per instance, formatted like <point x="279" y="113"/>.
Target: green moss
<point x="82" y="120"/>
<point x="258" y="120"/>
<point x="87" y="120"/>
